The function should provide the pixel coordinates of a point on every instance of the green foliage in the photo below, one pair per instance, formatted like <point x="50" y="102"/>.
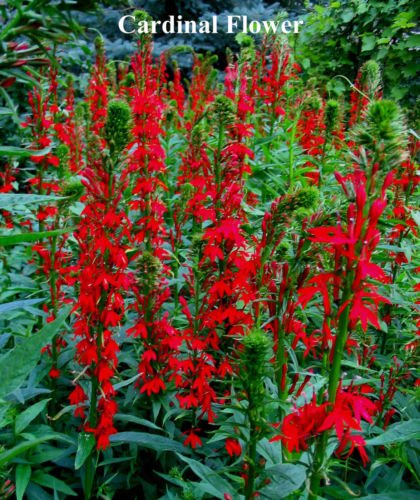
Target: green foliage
<point x="20" y="361"/>
<point x="340" y="35"/>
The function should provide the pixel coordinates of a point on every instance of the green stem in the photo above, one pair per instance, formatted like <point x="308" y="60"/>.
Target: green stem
<point x="291" y="151"/>
<point x="90" y="470"/>
<point x="333" y="383"/>
<point x="252" y="455"/>
<point x="280" y="362"/>
<point x="53" y="285"/>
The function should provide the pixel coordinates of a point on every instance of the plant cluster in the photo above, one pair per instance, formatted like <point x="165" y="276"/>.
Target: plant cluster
<point x="210" y="289"/>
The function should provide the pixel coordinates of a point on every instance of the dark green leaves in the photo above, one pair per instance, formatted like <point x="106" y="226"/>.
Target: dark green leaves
<point x="397" y="433"/>
<point x="14" y="239"/>
<point x="150" y="441"/>
<point x="27" y="416"/>
<point x="85" y="445"/>
<point x="19" y="362"/>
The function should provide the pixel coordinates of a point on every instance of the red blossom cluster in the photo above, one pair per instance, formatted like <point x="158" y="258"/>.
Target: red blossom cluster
<point x="174" y="248"/>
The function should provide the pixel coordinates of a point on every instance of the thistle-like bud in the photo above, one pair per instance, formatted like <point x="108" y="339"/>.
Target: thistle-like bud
<point x="313" y="102"/>
<point x="282" y="251"/>
<point x="117" y="126"/>
<point x="69" y="80"/>
<point x="149" y="268"/>
<point x="384" y="133"/>
<point x="302" y="213"/>
<point x="112" y="76"/>
<point x="244" y="40"/>
<point x="197" y="243"/>
<point x="332" y="115"/>
<point x="223" y="110"/>
<point x="312" y="83"/>
<point x="62" y="152"/>
<point x="81" y="111"/>
<point x="197" y="134"/>
<point x="129" y="80"/>
<point x="187" y="494"/>
<point x="247" y="45"/>
<point x="284" y="207"/>
<point x="179" y="49"/>
<point x="142" y="16"/>
<point x="254" y="360"/>
<point x="255" y="352"/>
<point x="306" y="197"/>
<point x="175" y="473"/>
<point x="73" y="189"/>
<point x="229" y="56"/>
<point x="99" y="46"/>
<point x="186" y="190"/>
<point x="370" y="79"/>
<point x="71" y="192"/>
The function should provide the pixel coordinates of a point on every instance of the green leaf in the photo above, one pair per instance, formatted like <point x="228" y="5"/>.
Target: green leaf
<point x="406" y="494"/>
<point x="14" y="239"/>
<point x="18" y="304"/>
<point x="368" y="43"/>
<point x="150" y="441"/>
<point x="23" y="475"/>
<point x="9" y="201"/>
<point x="347" y="15"/>
<point x="416" y="217"/>
<point x="398" y="433"/>
<point x="22" y="153"/>
<point x="122" y="417"/>
<point x="85" y="446"/>
<point x="14" y="151"/>
<point x="412" y="42"/>
<point x="20" y="448"/>
<point x="286" y="478"/>
<point x="18" y="363"/>
<point x="26" y="417"/>
<point x="5" y="111"/>
<point x="214" y="482"/>
<point x="52" y="482"/>
<point x="124" y="383"/>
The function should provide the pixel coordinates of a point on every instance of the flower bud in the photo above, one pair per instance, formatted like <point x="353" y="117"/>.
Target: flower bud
<point x="332" y="114"/>
<point x="223" y="110"/>
<point x="370" y="79"/>
<point x="72" y="191"/>
<point x="149" y="268"/>
<point x="117" y="126"/>
<point x="143" y="16"/>
<point x="384" y="132"/>
<point x="255" y="350"/>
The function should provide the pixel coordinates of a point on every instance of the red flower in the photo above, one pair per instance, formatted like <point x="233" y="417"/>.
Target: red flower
<point x="192" y="439"/>
<point x="54" y="372"/>
<point x="233" y="447"/>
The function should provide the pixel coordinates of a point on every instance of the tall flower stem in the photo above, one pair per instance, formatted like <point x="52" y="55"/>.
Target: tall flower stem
<point x="333" y="384"/>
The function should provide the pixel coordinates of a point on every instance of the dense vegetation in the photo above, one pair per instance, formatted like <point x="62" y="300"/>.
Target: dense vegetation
<point x="208" y="286"/>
